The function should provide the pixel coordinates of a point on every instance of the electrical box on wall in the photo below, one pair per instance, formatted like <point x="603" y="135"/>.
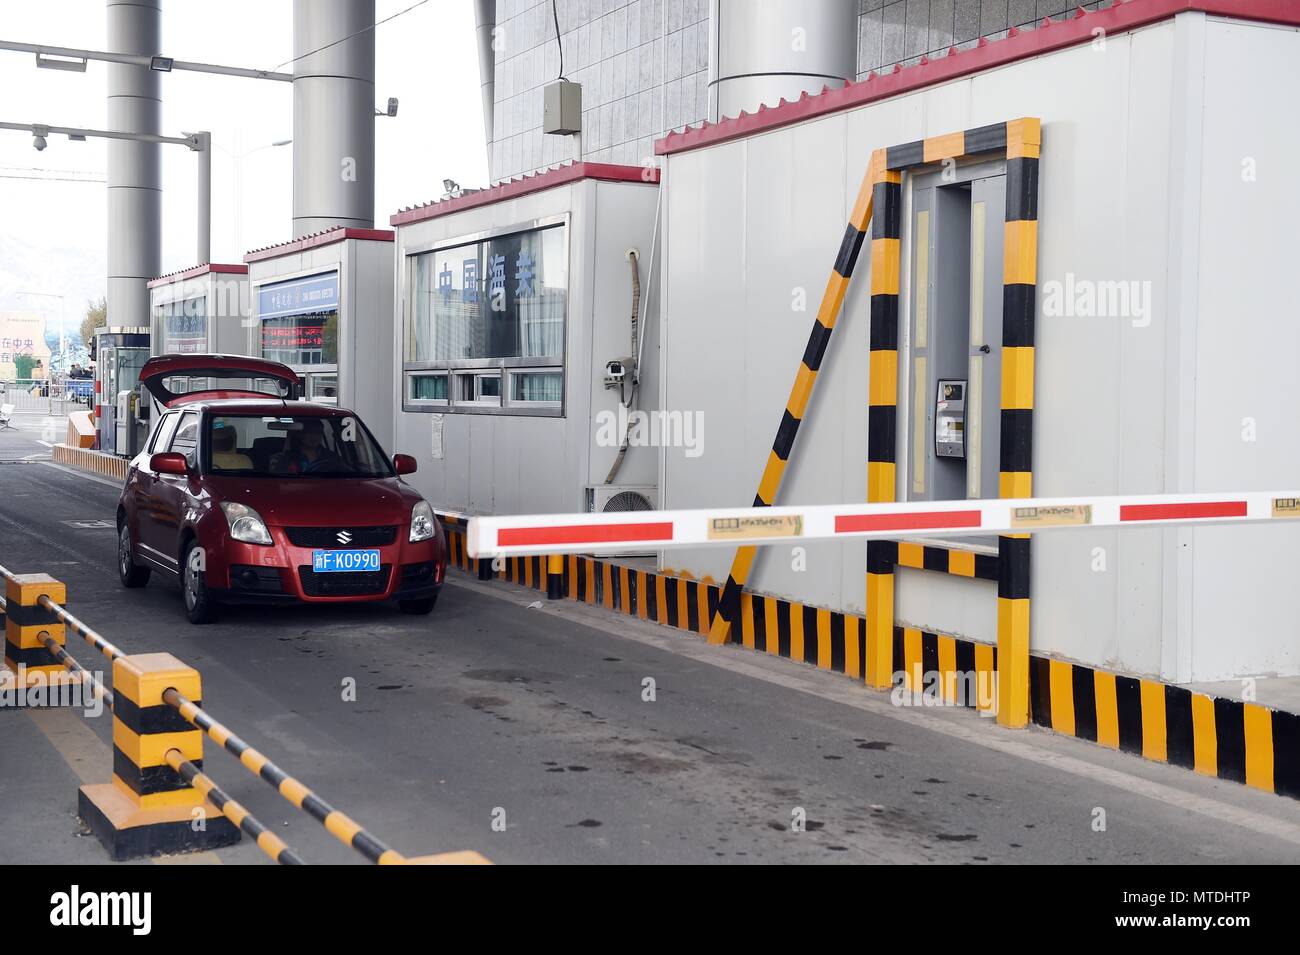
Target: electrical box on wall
<point x="562" y="108"/>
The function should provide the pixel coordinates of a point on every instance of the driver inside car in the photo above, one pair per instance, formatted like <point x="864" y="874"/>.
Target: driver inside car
<point x="305" y="451"/>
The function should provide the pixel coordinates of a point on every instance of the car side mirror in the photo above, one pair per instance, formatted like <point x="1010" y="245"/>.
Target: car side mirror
<point x="404" y="463"/>
<point x="169" y="462"/>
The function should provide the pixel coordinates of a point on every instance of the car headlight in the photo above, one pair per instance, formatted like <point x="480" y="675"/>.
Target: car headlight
<point x="421" y="522"/>
<point x="245" y="523"/>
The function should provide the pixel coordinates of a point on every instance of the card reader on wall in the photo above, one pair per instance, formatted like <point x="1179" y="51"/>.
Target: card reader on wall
<point x="950" y="418"/>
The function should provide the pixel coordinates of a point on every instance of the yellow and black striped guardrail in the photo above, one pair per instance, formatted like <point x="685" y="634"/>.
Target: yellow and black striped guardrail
<point x="266" y="840"/>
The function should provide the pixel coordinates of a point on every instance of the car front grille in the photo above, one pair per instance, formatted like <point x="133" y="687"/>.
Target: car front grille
<point x="341" y="538"/>
<point x="346" y="584"/>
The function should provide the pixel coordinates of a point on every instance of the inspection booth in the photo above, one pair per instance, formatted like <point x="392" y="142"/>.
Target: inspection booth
<point x="323" y="305"/>
<point x="120" y="353"/>
<point x="515" y="347"/>
<point x="1053" y="298"/>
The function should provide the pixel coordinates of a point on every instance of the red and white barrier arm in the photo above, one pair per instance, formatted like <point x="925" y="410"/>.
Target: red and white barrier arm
<point x="663" y="530"/>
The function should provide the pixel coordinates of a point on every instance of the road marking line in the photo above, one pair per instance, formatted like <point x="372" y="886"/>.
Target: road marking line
<point x="989" y="735"/>
<point x="76" y="742"/>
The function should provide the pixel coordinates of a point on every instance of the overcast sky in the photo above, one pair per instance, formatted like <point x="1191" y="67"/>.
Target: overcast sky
<point x="52" y="234"/>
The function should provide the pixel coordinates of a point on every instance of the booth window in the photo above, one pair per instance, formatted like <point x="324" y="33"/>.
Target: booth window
<point x="426" y="387"/>
<point x="323" y="389"/>
<point x="299" y="326"/>
<point x="485" y="328"/>
<point x="183" y="326"/>
<point x="537" y="385"/>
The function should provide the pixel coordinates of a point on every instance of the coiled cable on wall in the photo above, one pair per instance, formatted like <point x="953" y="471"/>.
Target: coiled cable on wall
<point x="634" y="371"/>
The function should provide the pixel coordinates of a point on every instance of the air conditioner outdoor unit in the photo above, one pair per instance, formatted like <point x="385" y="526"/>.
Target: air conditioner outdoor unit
<point x="616" y="498"/>
<point x="620" y="498"/>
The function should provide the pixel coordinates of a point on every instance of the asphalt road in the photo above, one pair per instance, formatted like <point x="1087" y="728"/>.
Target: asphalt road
<point x="492" y="708"/>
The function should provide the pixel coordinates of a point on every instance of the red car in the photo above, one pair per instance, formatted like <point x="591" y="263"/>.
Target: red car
<point x="244" y="494"/>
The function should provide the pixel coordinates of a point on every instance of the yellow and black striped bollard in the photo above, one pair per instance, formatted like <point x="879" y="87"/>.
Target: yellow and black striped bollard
<point x="28" y="661"/>
<point x="149" y="808"/>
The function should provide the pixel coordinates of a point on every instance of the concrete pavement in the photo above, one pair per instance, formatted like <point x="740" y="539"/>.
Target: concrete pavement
<point x="493" y="708"/>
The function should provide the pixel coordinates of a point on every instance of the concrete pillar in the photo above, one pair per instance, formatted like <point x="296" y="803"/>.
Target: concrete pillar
<point x="333" y="115"/>
<point x="134" y="169"/>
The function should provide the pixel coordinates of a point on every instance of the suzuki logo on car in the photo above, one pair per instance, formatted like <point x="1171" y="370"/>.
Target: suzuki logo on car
<point x="343" y="537"/>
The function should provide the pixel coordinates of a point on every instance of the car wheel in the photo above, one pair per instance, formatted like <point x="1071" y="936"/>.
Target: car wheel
<point x="131" y="573"/>
<point x="199" y="605"/>
<point x="418" y="608"/>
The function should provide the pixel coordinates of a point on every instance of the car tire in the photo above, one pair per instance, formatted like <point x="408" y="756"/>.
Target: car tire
<point x="200" y="608"/>
<point x="128" y="571"/>
<point x="418" y="608"/>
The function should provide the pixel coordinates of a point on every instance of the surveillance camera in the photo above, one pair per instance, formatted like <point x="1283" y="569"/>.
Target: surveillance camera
<point x="616" y="371"/>
<point x="38" y="142"/>
<point x="392" y="106"/>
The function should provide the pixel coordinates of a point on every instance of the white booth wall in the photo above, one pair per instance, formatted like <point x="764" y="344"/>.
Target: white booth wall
<point x="1144" y="148"/>
<point x="495" y="463"/>
<point x="365" y="323"/>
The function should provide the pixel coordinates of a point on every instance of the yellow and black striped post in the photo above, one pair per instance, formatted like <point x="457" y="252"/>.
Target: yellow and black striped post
<point x="28" y="661"/>
<point x="1015" y="479"/>
<point x="728" y="609"/>
<point x="882" y="411"/>
<point x="149" y="808"/>
<point x="1018" y="140"/>
<point x="555" y="589"/>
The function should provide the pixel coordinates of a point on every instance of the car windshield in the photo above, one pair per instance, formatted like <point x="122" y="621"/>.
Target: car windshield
<point x="292" y="446"/>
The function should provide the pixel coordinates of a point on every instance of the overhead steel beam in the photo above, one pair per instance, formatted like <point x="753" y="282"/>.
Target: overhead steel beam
<point x="160" y="64"/>
<point x="200" y="142"/>
<point x="44" y="130"/>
